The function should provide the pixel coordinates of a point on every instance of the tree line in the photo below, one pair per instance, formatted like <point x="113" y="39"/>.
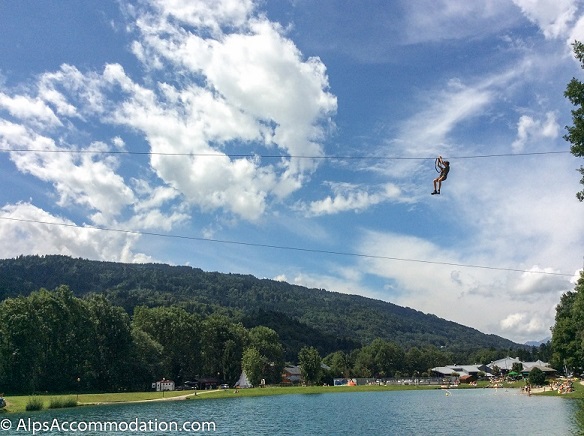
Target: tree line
<point x="53" y="341"/>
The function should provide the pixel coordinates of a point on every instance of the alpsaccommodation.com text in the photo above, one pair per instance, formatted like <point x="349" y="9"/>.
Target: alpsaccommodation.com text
<point x="32" y="426"/>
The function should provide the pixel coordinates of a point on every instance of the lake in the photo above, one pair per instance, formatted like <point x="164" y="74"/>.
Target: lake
<point x="463" y="412"/>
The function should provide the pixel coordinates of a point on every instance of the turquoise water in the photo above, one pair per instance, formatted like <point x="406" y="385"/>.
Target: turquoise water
<point x="431" y="412"/>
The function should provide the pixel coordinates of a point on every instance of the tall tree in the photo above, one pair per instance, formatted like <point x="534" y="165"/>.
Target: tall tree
<point x="568" y="331"/>
<point x="231" y="361"/>
<point x="221" y="339"/>
<point x="252" y="364"/>
<point x="267" y="342"/>
<point x="111" y="343"/>
<point x="575" y="93"/>
<point x="310" y="364"/>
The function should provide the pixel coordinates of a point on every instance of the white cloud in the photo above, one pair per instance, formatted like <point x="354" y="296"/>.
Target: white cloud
<point x="50" y="234"/>
<point x="530" y="284"/>
<point x="554" y="17"/>
<point x="350" y="197"/>
<point x="257" y="88"/>
<point x="530" y="129"/>
<point x="156" y="219"/>
<point x="526" y="325"/>
<point x="80" y="179"/>
<point x="73" y="93"/>
<point x="281" y="278"/>
<point x="34" y="109"/>
<point x="207" y="14"/>
<point x="415" y="252"/>
<point x="577" y="32"/>
<point x="427" y="277"/>
<point x="244" y="83"/>
<point x="446" y="109"/>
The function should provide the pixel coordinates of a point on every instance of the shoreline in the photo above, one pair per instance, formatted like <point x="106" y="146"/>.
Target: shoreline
<point x="17" y="404"/>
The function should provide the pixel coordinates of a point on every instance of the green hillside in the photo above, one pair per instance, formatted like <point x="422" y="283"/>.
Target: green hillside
<point x="328" y="320"/>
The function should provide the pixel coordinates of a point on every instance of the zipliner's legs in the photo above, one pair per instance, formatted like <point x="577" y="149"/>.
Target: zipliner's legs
<point x="437" y="181"/>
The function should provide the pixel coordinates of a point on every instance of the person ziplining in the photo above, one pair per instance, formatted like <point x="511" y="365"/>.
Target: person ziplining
<point x="444" y="166"/>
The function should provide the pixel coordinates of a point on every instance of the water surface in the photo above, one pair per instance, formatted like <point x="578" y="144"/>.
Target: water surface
<point x="464" y="412"/>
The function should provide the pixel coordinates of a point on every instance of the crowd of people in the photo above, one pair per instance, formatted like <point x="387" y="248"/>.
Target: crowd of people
<point x="563" y="386"/>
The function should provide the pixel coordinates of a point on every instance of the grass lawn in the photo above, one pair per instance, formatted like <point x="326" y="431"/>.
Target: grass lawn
<point x="301" y="390"/>
<point x="17" y="404"/>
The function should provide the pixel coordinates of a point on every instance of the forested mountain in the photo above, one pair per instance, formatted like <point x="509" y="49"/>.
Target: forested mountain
<point x="327" y="320"/>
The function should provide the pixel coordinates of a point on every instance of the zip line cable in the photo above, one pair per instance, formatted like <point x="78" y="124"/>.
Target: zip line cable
<point x="274" y="156"/>
<point x="280" y="247"/>
<point x="259" y="245"/>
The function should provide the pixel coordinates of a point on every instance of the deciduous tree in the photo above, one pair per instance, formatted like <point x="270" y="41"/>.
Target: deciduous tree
<point x="575" y="93"/>
<point x="222" y="344"/>
<point x="310" y="364"/>
<point x="252" y="364"/>
<point x="179" y="333"/>
<point x="111" y="343"/>
<point x="568" y="330"/>
<point x="267" y="342"/>
<point x="536" y="377"/>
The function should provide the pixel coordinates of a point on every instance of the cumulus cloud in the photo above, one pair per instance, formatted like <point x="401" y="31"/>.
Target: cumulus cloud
<point x="206" y="14"/>
<point x="85" y="179"/>
<point x="530" y="129"/>
<point x="35" y="231"/>
<point x="250" y="85"/>
<point x="530" y="284"/>
<point x="33" y="109"/>
<point x="526" y="325"/>
<point x="245" y="84"/>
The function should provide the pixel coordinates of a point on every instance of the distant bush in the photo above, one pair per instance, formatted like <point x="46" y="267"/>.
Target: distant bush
<point x="59" y="403"/>
<point x="34" y="403"/>
<point x="536" y="377"/>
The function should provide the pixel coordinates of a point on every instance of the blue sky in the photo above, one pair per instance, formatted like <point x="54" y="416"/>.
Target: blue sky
<point x="295" y="140"/>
